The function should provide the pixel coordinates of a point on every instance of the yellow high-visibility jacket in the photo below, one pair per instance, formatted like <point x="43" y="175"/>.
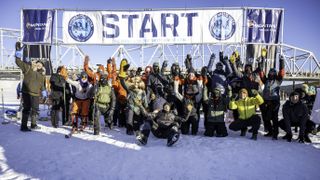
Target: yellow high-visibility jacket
<point x="246" y="107"/>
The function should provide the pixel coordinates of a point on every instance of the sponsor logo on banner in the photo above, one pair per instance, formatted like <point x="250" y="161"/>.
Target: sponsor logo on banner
<point x="80" y="28"/>
<point x="222" y="26"/>
<point x="37" y="26"/>
<point x="263" y="25"/>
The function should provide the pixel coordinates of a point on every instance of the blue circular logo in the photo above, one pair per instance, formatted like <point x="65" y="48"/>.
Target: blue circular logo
<point x="222" y="26"/>
<point x="80" y="28"/>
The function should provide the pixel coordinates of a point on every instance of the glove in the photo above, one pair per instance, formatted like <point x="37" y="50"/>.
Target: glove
<point x="232" y="59"/>
<point x="236" y="54"/>
<point x="221" y="55"/>
<point x="189" y="107"/>
<point x="234" y="97"/>
<point x="109" y="61"/>
<point x="264" y="52"/>
<point x="86" y="60"/>
<point x="212" y="57"/>
<point x="254" y="92"/>
<point x="19" y="50"/>
<point x="44" y="94"/>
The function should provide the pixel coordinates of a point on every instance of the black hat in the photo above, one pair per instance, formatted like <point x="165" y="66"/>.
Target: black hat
<point x="294" y="93"/>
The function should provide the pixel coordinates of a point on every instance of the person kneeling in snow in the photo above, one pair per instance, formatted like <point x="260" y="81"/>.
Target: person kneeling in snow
<point x="105" y="102"/>
<point x="295" y="113"/>
<point x="217" y="106"/>
<point x="246" y="107"/>
<point x="163" y="124"/>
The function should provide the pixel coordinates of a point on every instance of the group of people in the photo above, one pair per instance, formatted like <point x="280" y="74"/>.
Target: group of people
<point x="167" y="101"/>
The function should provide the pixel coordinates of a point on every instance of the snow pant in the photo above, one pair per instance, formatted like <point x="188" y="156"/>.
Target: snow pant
<point x="119" y="116"/>
<point x="218" y="127"/>
<point x="30" y="106"/>
<point x="193" y="122"/>
<point x="98" y="112"/>
<point x="91" y="111"/>
<point x="269" y="111"/>
<point x="306" y="126"/>
<point x="242" y="124"/>
<point x="176" y="104"/>
<point x="80" y="107"/>
<point x="134" y="121"/>
<point x="58" y="104"/>
<point x="205" y="112"/>
<point x="160" y="132"/>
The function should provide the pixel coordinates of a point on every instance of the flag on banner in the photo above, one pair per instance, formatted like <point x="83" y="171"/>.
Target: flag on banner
<point x="263" y="25"/>
<point x="37" y="26"/>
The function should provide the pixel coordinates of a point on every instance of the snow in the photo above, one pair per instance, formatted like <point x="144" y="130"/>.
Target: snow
<point x="46" y="154"/>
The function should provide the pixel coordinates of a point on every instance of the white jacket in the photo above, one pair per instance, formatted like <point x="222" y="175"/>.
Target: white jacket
<point x="81" y="93"/>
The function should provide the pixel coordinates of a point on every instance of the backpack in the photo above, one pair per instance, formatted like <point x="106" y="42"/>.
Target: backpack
<point x="104" y="95"/>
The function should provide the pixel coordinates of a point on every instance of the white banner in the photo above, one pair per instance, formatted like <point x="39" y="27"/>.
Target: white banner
<point x="153" y="27"/>
<point x="315" y="114"/>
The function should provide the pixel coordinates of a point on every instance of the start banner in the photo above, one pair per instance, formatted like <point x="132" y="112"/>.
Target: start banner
<point x="153" y="27"/>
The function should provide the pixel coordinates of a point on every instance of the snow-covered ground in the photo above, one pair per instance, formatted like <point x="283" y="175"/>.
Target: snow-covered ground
<point x="46" y="154"/>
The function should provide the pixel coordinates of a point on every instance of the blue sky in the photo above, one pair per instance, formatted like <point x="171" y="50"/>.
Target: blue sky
<point x="301" y="17"/>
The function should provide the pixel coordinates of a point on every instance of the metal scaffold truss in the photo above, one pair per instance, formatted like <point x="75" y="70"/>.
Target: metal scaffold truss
<point x="300" y="64"/>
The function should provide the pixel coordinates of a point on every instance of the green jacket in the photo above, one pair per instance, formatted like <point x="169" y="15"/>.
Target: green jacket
<point x="33" y="81"/>
<point x="246" y="107"/>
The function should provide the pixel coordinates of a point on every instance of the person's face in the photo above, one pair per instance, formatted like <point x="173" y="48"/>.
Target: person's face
<point x="216" y="94"/>
<point x="294" y="99"/>
<point x="147" y="71"/>
<point x="219" y="67"/>
<point x="243" y="95"/>
<point x="166" y="108"/>
<point x="191" y="76"/>
<point x="248" y="69"/>
<point x="156" y="68"/>
<point x="39" y="66"/>
<point x="272" y="74"/>
<point x="74" y="76"/>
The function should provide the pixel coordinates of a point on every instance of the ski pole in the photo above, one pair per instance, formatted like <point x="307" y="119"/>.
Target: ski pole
<point x="2" y="103"/>
<point x="64" y="103"/>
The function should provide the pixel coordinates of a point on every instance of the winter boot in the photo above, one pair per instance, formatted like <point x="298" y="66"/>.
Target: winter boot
<point x="269" y="134"/>
<point x="254" y="136"/>
<point x="243" y="132"/>
<point x="173" y="140"/>
<point x="129" y="130"/>
<point x="301" y="139"/>
<point x="142" y="139"/>
<point x="109" y="125"/>
<point x="34" y="122"/>
<point x="208" y="133"/>
<point x="96" y="132"/>
<point x="54" y="118"/>
<point x="274" y="137"/>
<point x="307" y="139"/>
<point x="222" y="135"/>
<point x="288" y="137"/>
<point x="24" y="123"/>
<point x="84" y="121"/>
